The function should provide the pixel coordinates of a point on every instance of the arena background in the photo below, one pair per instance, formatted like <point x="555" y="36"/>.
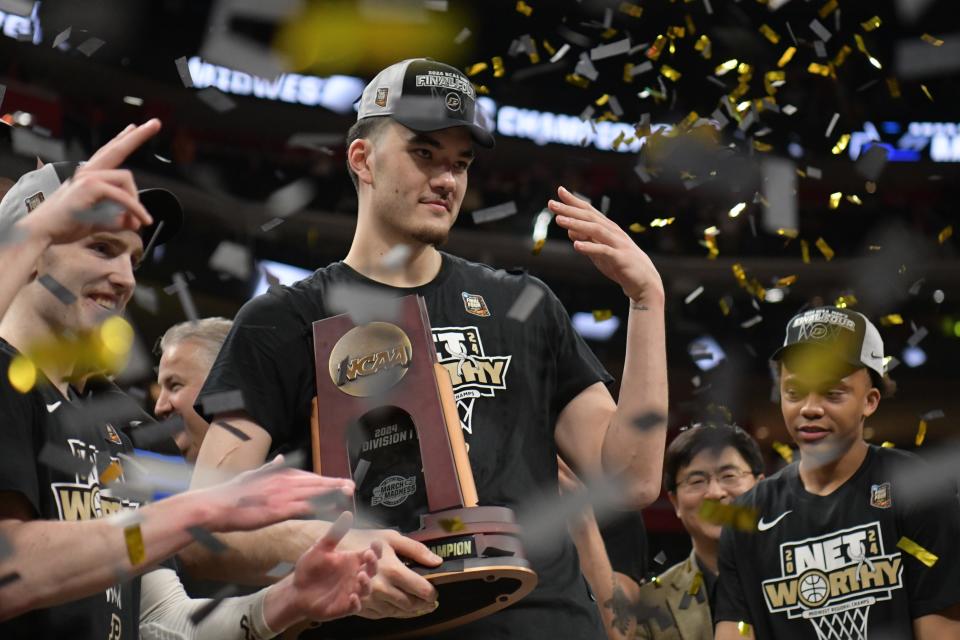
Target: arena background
<point x="773" y="205"/>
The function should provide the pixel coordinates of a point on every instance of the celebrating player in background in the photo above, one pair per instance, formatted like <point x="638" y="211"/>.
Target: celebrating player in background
<point x="68" y="570"/>
<point x="837" y="547"/>
<point x="529" y="389"/>
<point x="187" y="351"/>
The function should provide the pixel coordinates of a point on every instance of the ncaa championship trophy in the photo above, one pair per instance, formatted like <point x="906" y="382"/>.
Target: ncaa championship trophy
<point x="385" y="416"/>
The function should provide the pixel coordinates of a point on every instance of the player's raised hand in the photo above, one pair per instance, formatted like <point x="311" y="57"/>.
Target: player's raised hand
<point x="118" y="149"/>
<point x="608" y="246"/>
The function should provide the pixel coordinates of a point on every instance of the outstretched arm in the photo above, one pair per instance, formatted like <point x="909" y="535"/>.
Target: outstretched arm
<point x="53" y="569"/>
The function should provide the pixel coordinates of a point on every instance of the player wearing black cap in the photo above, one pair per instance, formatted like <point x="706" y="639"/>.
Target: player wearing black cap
<point x="525" y="389"/>
<point x="839" y="552"/>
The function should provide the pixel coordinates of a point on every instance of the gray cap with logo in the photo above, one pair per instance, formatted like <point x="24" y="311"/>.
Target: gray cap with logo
<point x="848" y="334"/>
<point x="425" y="95"/>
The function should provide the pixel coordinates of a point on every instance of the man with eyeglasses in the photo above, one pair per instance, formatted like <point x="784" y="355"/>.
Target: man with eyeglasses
<point x="715" y="462"/>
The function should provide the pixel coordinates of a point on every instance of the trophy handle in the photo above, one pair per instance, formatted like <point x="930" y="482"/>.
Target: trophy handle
<point x="461" y="460"/>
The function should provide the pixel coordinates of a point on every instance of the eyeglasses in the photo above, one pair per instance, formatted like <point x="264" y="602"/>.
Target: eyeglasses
<point x="698" y="482"/>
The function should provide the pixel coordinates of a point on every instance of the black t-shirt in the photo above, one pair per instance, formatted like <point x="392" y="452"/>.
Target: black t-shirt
<point x="30" y="421"/>
<point x="511" y="380"/>
<point x="800" y="568"/>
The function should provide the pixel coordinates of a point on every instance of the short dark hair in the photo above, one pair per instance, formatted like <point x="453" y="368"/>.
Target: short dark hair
<point x="709" y="437"/>
<point x="367" y="128"/>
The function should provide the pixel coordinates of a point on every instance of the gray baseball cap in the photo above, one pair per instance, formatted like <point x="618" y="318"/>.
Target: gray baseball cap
<point x="425" y="95"/>
<point x="36" y="186"/>
<point x="849" y="336"/>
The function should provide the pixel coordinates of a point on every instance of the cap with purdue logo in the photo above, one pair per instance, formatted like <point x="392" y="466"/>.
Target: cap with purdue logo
<point x="425" y="95"/>
<point x="849" y="336"/>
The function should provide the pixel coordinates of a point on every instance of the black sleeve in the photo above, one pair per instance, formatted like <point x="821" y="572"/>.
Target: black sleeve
<point x="268" y="357"/>
<point x="935" y="526"/>
<point x="577" y="366"/>
<point x="18" y="440"/>
<point x="626" y="542"/>
<point x="731" y="602"/>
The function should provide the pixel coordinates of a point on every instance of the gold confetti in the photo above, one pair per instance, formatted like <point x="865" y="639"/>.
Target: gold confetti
<point x="863" y="49"/>
<point x="893" y="86"/>
<point x="820" y="69"/>
<point x="937" y="42"/>
<point x="533" y="54"/>
<point x="786" y="57"/>
<point x="538" y="246"/>
<point x="827" y="9"/>
<point x="824" y="249"/>
<point x="743" y="628"/>
<point x="704" y="46"/>
<point x="841" y="56"/>
<point x="618" y="140"/>
<point x="636" y="227"/>
<point x="744" y="69"/>
<point x="769" y="33"/>
<point x="657" y="47"/>
<point x="628" y="72"/>
<point x="474" y="69"/>
<point x="845" y="301"/>
<point x="737" y="209"/>
<point x="661" y="222"/>
<point x="609" y="33"/>
<point x="892" y="319"/>
<point x="926" y="92"/>
<point x="676" y="31"/>
<point x="724" y="307"/>
<point x="945" y="234"/>
<point x="772" y="80"/>
<point x="111" y="473"/>
<point x="871" y="24"/>
<point x="787" y="233"/>
<point x="631" y="9"/>
<point x="783" y="451"/>
<point x="670" y="72"/>
<point x="738" y="517"/>
<point x="452" y="525"/>
<point x="853" y="199"/>
<point x="549" y="47"/>
<point x="805" y="251"/>
<point x="917" y="551"/>
<point x="481" y="89"/>
<point x="692" y="28"/>
<point x="921" y="433"/>
<point x="22" y="374"/>
<point x="835" y="199"/>
<point x="695" y="584"/>
<point x="524" y="8"/>
<point x="888" y="445"/>
<point x="602" y="100"/>
<point x="786" y="281"/>
<point x="602" y="314"/>
<point x="134" y="540"/>
<point x="841" y="144"/>
<point x="498" y="70"/>
<point x="577" y="80"/>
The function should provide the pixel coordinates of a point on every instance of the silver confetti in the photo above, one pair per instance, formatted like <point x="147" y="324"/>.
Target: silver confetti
<point x="62" y="294"/>
<point x="396" y="258"/>
<point x="617" y="48"/>
<point x="525" y="303"/>
<point x="755" y="320"/>
<point x="280" y="570"/>
<point x="833" y="123"/>
<point x="231" y="258"/>
<point x="90" y="46"/>
<point x="497" y="212"/>
<point x="291" y="198"/>
<point x="363" y="303"/>
<point x="271" y="224"/>
<point x="643" y="67"/>
<point x="562" y="51"/>
<point x="585" y="68"/>
<point x="821" y="31"/>
<point x="146" y="298"/>
<point x="462" y="36"/>
<point x="183" y="294"/>
<point x="183" y="70"/>
<point x="62" y="37"/>
<point x="17" y="7"/>
<point x="693" y="295"/>
<point x="216" y="100"/>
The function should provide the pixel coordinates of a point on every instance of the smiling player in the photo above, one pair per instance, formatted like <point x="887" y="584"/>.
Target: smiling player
<point x="836" y="548"/>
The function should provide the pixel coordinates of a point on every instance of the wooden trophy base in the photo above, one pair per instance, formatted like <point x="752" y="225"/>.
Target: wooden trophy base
<point x="484" y="572"/>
